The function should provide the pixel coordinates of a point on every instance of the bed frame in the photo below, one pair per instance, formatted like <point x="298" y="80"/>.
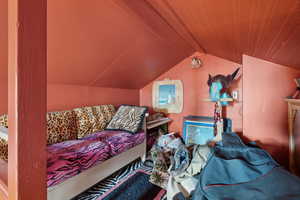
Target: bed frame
<point x="86" y="179"/>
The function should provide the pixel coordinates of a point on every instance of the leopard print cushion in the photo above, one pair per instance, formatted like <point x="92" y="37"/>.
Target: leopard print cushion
<point x="61" y="126"/>
<point x="3" y="149"/>
<point x="86" y="121"/>
<point x="4" y="120"/>
<point x="103" y="114"/>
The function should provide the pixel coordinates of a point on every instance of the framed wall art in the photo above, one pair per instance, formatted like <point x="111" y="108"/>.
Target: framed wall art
<point x="167" y="96"/>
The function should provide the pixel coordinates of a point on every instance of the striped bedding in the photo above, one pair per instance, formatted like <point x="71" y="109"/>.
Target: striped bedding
<point x="69" y="158"/>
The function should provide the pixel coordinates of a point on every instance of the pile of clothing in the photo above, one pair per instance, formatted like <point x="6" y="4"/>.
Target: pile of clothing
<point x="176" y="165"/>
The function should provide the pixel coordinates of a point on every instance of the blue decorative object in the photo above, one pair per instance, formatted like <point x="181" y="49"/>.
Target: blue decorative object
<point x="200" y="129"/>
<point x="215" y="91"/>
<point x="225" y="95"/>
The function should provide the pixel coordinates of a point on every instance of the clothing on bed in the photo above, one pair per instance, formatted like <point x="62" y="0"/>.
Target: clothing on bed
<point x="238" y="171"/>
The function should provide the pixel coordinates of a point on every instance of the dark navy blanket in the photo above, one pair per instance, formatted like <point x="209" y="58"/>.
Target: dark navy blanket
<point x="237" y="171"/>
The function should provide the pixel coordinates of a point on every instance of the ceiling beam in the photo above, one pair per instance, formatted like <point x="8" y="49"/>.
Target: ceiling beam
<point x="167" y="13"/>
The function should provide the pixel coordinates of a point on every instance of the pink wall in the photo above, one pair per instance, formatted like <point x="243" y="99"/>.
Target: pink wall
<point x="265" y="85"/>
<point x="62" y="97"/>
<point x="196" y="89"/>
<point x="3" y="98"/>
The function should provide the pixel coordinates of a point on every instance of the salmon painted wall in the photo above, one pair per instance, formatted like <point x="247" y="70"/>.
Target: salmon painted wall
<point x="265" y="85"/>
<point x="196" y="89"/>
<point x="62" y="97"/>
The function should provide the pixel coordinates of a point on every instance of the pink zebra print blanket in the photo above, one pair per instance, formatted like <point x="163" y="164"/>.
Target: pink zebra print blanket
<point x="69" y="158"/>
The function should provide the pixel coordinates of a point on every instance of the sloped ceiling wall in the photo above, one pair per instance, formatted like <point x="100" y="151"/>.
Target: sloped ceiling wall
<point x="267" y="29"/>
<point x="128" y="43"/>
<point x="108" y="44"/>
<point x="104" y="43"/>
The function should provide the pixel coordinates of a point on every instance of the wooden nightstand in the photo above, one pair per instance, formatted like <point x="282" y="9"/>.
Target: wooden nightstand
<point x="155" y="128"/>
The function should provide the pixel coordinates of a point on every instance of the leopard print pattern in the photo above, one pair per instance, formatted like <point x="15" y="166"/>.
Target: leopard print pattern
<point x="3" y="149"/>
<point x="3" y="143"/>
<point x="4" y="120"/>
<point x="103" y="114"/>
<point x="86" y="121"/>
<point x="61" y="126"/>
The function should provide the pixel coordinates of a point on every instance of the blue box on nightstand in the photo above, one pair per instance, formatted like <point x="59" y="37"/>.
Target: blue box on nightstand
<point x="200" y="129"/>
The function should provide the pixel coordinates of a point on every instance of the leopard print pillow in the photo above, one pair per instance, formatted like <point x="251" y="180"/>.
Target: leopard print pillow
<point x="86" y="121"/>
<point x="103" y="114"/>
<point x="61" y="126"/>
<point x="4" y="120"/>
<point x="3" y="149"/>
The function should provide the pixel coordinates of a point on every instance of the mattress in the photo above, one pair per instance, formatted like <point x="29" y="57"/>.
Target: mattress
<point x="118" y="141"/>
<point x="69" y="158"/>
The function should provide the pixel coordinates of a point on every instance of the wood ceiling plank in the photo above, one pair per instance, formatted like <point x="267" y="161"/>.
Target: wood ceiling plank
<point x="168" y="14"/>
<point x="264" y="29"/>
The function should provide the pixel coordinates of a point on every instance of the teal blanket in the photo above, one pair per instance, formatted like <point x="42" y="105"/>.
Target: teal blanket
<point x="237" y="171"/>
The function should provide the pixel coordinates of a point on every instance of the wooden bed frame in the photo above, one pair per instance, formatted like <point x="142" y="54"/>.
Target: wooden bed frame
<point x="86" y="179"/>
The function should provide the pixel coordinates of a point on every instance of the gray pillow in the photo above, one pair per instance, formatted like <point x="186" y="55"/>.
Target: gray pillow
<point x="128" y="118"/>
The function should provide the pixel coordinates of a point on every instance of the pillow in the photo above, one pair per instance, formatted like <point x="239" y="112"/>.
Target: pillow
<point x="86" y="121"/>
<point x="4" y="133"/>
<point x="61" y="126"/>
<point x="3" y="149"/>
<point x="128" y="118"/>
<point x="4" y="121"/>
<point x="103" y="114"/>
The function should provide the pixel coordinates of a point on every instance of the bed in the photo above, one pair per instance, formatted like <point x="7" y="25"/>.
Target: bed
<point x="244" y="171"/>
<point x="78" y="180"/>
<point x="85" y="145"/>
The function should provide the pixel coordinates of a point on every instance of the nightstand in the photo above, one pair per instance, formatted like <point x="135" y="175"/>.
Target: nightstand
<point x="155" y="128"/>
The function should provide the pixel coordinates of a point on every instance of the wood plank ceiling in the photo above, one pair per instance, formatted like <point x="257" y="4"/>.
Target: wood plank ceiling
<point x="128" y="43"/>
<point x="267" y="29"/>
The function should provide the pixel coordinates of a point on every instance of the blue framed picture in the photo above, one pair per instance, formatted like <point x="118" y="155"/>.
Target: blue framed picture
<point x="168" y="96"/>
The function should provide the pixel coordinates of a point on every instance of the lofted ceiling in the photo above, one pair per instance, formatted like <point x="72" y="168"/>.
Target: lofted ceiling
<point x="128" y="43"/>
<point x="267" y="29"/>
